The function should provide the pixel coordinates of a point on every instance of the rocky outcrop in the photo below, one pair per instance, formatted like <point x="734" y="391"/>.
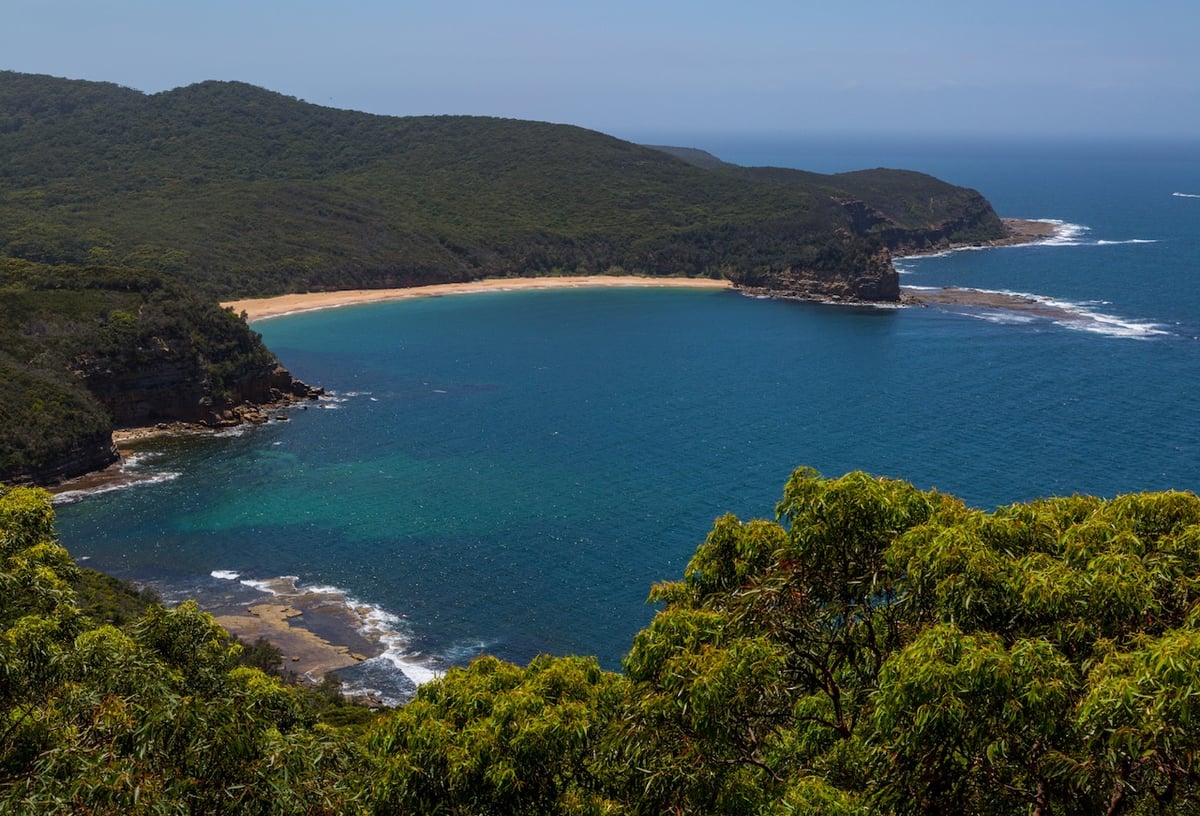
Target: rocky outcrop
<point x="871" y="279"/>
<point x="162" y="389"/>
<point x="257" y="395"/>
<point x="860" y="269"/>
<point x="165" y="385"/>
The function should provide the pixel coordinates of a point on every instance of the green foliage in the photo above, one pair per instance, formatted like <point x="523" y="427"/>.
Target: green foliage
<point x="875" y="650"/>
<point x="497" y="738"/>
<point x="48" y="417"/>
<point x="106" y="599"/>
<point x="888" y="650"/>
<point x="151" y="718"/>
<point x="261" y="655"/>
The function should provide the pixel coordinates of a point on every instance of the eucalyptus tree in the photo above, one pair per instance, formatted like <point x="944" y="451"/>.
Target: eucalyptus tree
<point x="883" y="649"/>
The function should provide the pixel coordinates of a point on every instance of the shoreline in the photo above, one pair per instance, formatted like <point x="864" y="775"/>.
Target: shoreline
<point x="982" y="299"/>
<point x="1021" y="232"/>
<point x="282" y="305"/>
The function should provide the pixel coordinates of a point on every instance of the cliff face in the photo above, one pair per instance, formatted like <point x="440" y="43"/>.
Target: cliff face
<point x="158" y="390"/>
<point x="872" y="279"/>
<point x="859" y="269"/>
<point x="168" y="387"/>
<point x="86" y="453"/>
<point x="87" y="349"/>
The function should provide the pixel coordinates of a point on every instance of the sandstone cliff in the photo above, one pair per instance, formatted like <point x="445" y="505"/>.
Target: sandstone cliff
<point x="168" y="387"/>
<point x="874" y="280"/>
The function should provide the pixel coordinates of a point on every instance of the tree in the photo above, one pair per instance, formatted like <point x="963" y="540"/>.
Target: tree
<point x="889" y="650"/>
<point x="155" y="717"/>
<point x="877" y="649"/>
<point x="497" y="738"/>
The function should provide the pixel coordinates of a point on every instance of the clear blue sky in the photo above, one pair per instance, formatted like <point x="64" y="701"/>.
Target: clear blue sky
<point x="947" y="66"/>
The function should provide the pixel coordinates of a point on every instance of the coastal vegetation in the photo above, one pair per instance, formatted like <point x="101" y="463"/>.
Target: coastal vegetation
<point x="243" y="192"/>
<point x="873" y="649"/>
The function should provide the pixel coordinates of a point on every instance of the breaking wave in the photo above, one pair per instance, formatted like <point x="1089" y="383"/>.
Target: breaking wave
<point x="390" y="677"/>
<point x="1030" y="308"/>
<point x="132" y="471"/>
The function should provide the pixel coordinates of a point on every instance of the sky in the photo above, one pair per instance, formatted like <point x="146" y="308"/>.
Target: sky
<point x="1051" y="67"/>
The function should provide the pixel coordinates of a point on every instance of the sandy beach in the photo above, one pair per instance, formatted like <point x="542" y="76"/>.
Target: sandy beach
<point x="263" y="308"/>
<point x="1020" y="231"/>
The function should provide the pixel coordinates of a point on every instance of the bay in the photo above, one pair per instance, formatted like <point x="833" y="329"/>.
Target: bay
<point x="510" y="472"/>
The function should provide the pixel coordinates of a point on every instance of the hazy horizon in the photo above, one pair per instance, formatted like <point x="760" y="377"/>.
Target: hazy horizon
<point x="931" y="66"/>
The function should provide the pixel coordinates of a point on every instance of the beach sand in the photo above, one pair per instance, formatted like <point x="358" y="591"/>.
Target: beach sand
<point x="263" y="308"/>
<point x="1020" y="231"/>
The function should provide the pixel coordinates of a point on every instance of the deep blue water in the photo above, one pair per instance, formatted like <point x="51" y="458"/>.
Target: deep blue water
<point x="510" y="472"/>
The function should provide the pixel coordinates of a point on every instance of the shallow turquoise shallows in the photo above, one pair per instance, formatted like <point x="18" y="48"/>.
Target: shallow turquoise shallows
<point x="510" y="472"/>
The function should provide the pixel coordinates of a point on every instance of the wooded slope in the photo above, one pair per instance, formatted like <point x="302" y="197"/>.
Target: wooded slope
<point x="241" y="191"/>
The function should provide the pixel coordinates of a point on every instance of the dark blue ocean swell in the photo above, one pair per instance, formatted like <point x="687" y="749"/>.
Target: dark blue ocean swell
<point x="510" y="472"/>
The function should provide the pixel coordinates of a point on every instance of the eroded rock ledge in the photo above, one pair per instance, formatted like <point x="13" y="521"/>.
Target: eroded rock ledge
<point x="257" y="402"/>
<point x="876" y="281"/>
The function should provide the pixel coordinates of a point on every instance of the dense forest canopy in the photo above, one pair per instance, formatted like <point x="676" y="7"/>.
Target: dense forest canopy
<point x="874" y="649"/>
<point x="241" y="191"/>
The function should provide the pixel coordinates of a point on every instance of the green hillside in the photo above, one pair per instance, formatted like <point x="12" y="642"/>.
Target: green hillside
<point x="241" y="191"/>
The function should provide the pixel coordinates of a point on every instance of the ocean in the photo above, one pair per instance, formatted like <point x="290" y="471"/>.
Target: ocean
<point x="510" y="472"/>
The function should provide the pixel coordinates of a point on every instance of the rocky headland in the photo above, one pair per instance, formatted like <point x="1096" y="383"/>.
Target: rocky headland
<point x="1019" y="232"/>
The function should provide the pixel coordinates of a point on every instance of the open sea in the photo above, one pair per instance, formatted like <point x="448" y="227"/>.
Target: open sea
<point x="508" y="473"/>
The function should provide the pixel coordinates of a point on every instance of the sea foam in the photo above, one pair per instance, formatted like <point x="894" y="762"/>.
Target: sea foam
<point x="1065" y="234"/>
<point x="131" y="472"/>
<point x="1081" y="317"/>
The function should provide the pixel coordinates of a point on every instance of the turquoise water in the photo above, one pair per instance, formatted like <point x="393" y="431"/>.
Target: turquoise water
<point x="510" y="472"/>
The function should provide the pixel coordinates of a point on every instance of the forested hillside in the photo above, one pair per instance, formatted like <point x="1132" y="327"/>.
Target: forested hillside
<point x="876" y="649"/>
<point x="239" y="191"/>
